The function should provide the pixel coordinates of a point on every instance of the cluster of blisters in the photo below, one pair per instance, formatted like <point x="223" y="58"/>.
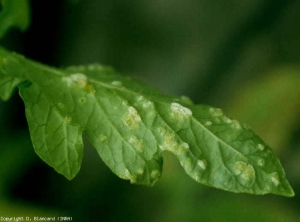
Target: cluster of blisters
<point x="216" y="111"/>
<point x="102" y="138"/>
<point x="236" y="124"/>
<point x="195" y="168"/>
<point x="129" y="176"/>
<point x="171" y="143"/>
<point x="275" y="178"/>
<point x="202" y="164"/>
<point x="76" y="80"/>
<point x="180" y="112"/>
<point x="219" y="118"/>
<point x="136" y="143"/>
<point x="146" y="104"/>
<point x="246" y="172"/>
<point x="68" y="119"/>
<point x="79" y="81"/>
<point x="261" y="162"/>
<point x="261" y="147"/>
<point x="139" y="174"/>
<point x="132" y="119"/>
<point x="181" y="149"/>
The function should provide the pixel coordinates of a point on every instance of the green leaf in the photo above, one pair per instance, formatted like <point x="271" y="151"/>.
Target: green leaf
<point x="8" y="82"/>
<point x="131" y="124"/>
<point x="14" y="13"/>
<point x="7" y="85"/>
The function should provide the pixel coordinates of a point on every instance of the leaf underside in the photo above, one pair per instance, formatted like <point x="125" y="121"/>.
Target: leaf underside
<point x="131" y="124"/>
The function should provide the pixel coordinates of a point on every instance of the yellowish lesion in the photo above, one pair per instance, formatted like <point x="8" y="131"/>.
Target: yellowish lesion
<point x="202" y="164"/>
<point x="89" y="88"/>
<point x="275" y="178"/>
<point x="132" y="119"/>
<point x="244" y="170"/>
<point x="136" y="143"/>
<point x="180" y="112"/>
<point x="117" y="83"/>
<point x="171" y="143"/>
<point x="79" y="81"/>
<point x="102" y="138"/>
<point x="155" y="174"/>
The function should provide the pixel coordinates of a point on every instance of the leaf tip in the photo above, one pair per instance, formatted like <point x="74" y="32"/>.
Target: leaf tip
<point x="289" y="192"/>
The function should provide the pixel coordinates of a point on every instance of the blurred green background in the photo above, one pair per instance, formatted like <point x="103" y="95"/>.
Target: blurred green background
<point x="242" y="56"/>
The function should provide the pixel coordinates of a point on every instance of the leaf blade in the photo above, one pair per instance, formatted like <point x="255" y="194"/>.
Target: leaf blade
<point x="131" y="124"/>
<point x="55" y="140"/>
<point x="7" y="86"/>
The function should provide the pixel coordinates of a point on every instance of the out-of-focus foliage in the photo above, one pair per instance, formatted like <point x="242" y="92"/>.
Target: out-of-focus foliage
<point x="200" y="48"/>
<point x="13" y="13"/>
<point x="274" y="103"/>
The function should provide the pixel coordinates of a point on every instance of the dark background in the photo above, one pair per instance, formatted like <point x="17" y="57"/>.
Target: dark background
<point x="242" y="56"/>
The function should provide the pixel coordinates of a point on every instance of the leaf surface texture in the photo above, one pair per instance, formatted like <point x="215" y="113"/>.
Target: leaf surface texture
<point x="131" y="124"/>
